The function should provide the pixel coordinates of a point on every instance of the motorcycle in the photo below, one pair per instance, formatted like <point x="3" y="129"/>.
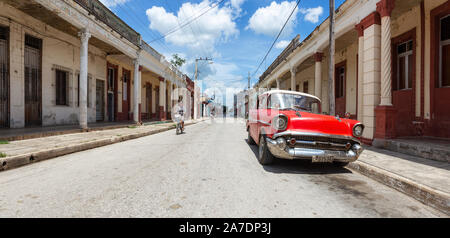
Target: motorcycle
<point x="179" y="122"/>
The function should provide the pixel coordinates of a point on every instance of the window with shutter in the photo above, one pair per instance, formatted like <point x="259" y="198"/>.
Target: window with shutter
<point x="61" y="87"/>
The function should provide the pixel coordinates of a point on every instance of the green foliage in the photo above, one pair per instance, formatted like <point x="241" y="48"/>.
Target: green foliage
<point x="177" y="60"/>
<point x="2" y="155"/>
<point x="4" y="142"/>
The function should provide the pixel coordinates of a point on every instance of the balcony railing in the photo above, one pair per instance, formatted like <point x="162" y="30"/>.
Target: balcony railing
<point x="103" y="14"/>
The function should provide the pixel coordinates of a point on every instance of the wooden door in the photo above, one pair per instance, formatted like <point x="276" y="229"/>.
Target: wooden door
<point x="111" y="85"/>
<point x="100" y="99"/>
<point x="4" y="79"/>
<point x="339" y="86"/>
<point x="33" y="81"/>
<point x="126" y="75"/>
<point x="148" y="99"/>
<point x="168" y="116"/>
<point x="158" y="108"/>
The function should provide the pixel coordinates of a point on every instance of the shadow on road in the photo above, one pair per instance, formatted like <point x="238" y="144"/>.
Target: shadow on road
<point x="299" y="166"/>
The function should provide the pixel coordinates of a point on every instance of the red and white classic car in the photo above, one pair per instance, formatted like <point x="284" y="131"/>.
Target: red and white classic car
<point x="289" y="125"/>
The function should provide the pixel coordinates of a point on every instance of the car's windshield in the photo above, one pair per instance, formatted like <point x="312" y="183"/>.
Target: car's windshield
<point x="283" y="101"/>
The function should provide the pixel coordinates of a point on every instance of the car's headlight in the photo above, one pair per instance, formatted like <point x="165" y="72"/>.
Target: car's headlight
<point x="280" y="122"/>
<point x="358" y="130"/>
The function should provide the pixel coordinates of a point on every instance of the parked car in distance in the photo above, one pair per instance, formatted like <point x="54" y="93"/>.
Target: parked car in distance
<point x="289" y="125"/>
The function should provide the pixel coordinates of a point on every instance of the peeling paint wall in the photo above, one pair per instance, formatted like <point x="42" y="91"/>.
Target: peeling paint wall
<point x="59" y="50"/>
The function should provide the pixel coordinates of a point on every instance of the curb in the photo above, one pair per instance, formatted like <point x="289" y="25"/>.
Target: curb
<point x="61" y="132"/>
<point x="427" y="195"/>
<point x="29" y="158"/>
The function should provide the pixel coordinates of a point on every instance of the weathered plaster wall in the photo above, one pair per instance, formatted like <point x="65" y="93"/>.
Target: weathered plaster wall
<point x="59" y="50"/>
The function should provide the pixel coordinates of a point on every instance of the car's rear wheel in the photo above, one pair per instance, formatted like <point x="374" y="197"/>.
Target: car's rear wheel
<point x="250" y="139"/>
<point x="264" y="156"/>
<point x="340" y="164"/>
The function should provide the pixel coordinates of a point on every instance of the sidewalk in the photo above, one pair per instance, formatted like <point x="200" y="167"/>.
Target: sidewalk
<point x="13" y="134"/>
<point x="21" y="152"/>
<point x="425" y="180"/>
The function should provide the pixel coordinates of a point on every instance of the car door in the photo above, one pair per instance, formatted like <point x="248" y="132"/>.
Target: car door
<point x="261" y="116"/>
<point x="253" y="117"/>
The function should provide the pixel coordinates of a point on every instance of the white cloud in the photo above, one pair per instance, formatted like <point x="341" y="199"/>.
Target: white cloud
<point x="113" y="3"/>
<point x="269" y="20"/>
<point x="312" y="14"/>
<point x="282" y="44"/>
<point x="236" y="6"/>
<point x="215" y="26"/>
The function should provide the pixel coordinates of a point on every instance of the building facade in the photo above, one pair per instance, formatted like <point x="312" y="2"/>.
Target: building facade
<point x="75" y="62"/>
<point x="392" y="63"/>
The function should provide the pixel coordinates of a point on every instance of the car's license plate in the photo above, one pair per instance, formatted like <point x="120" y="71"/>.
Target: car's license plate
<point x="322" y="159"/>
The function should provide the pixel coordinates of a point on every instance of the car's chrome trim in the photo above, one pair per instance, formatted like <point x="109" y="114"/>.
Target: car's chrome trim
<point x="299" y="133"/>
<point x="259" y="121"/>
<point x="265" y="123"/>
<point x="286" y="119"/>
<point x="306" y="153"/>
<point x="315" y="143"/>
<point x="359" y="123"/>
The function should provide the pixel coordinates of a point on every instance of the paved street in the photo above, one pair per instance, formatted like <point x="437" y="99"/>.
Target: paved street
<point x="210" y="171"/>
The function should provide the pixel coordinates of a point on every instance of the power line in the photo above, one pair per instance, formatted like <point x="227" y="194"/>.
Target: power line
<point x="285" y="23"/>
<point x="172" y="8"/>
<point x="194" y="32"/>
<point x="188" y="22"/>
<point x="134" y="16"/>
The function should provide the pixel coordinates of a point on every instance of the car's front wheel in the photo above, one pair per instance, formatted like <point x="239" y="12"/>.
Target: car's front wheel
<point x="264" y="155"/>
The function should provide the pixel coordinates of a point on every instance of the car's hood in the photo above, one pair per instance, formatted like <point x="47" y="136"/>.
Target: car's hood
<point x="317" y="123"/>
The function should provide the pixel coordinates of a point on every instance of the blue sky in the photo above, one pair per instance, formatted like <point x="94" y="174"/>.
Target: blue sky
<point x="236" y="33"/>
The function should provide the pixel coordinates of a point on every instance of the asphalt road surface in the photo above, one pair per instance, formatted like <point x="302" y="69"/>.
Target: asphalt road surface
<point x="210" y="171"/>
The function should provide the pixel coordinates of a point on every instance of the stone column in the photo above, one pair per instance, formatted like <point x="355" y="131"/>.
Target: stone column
<point x="293" y="72"/>
<point x="371" y="71"/>
<point x="84" y="36"/>
<point x="278" y="83"/>
<point x="385" y="7"/>
<point x="162" y="97"/>
<point x="318" y="75"/>
<point x="385" y="112"/>
<point x="136" y="89"/>
<point x="360" y="75"/>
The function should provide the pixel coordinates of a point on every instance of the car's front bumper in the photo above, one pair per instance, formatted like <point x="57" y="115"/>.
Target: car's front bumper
<point x="314" y="154"/>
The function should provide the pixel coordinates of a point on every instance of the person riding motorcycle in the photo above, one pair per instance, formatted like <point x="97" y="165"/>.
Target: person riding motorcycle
<point x="179" y="111"/>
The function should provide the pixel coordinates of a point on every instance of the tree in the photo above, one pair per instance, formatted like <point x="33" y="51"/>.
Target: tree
<point x="177" y="60"/>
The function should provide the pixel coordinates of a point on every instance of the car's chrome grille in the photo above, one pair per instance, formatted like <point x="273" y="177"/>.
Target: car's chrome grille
<point x="319" y="142"/>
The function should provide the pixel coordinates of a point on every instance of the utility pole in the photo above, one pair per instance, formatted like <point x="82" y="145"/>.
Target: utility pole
<point x="248" y="80"/>
<point x="196" y="84"/>
<point x="331" y="62"/>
